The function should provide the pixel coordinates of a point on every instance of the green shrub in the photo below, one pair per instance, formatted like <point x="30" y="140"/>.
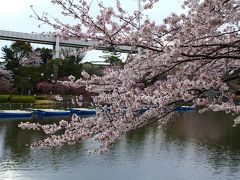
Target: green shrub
<point x="4" y="98"/>
<point x="22" y="99"/>
<point x="41" y="97"/>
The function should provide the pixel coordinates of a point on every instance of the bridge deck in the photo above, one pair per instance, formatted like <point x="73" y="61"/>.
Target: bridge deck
<point x="52" y="40"/>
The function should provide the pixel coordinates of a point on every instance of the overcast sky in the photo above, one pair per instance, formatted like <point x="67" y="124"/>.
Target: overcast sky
<point x="15" y="15"/>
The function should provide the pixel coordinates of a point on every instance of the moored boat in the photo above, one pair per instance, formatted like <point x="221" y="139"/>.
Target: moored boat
<point x="82" y="111"/>
<point x="14" y="113"/>
<point x="185" y="108"/>
<point x="51" y="112"/>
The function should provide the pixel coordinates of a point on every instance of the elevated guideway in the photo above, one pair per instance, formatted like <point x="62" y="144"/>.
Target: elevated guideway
<point x="55" y="41"/>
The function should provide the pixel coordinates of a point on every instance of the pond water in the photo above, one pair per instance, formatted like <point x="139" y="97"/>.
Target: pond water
<point x="194" y="146"/>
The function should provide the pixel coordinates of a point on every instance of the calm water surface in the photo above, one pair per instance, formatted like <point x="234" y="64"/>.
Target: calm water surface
<point x="194" y="146"/>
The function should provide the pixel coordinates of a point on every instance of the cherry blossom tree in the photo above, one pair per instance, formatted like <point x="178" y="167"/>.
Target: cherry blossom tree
<point x="34" y="59"/>
<point x="188" y="59"/>
<point x="5" y="80"/>
<point x="45" y="87"/>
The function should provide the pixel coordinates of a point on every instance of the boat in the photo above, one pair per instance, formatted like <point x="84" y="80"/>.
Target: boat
<point x="51" y="112"/>
<point x="82" y="111"/>
<point x="14" y="113"/>
<point x="185" y="108"/>
<point x="86" y="111"/>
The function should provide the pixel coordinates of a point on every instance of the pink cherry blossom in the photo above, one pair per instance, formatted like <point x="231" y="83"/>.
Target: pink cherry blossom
<point x="189" y="59"/>
<point x="34" y="59"/>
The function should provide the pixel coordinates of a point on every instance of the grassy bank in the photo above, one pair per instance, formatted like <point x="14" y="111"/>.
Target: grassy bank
<point x="23" y="99"/>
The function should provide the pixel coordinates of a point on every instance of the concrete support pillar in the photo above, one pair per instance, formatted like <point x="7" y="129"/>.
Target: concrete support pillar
<point x="56" y="48"/>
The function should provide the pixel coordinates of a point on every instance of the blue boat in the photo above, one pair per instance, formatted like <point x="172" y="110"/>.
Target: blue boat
<point x="51" y="112"/>
<point x="82" y="111"/>
<point x="185" y="108"/>
<point x="85" y="111"/>
<point x="14" y="113"/>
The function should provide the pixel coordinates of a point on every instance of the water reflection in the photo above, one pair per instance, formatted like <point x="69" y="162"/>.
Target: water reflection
<point x="210" y="138"/>
<point x="192" y="146"/>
